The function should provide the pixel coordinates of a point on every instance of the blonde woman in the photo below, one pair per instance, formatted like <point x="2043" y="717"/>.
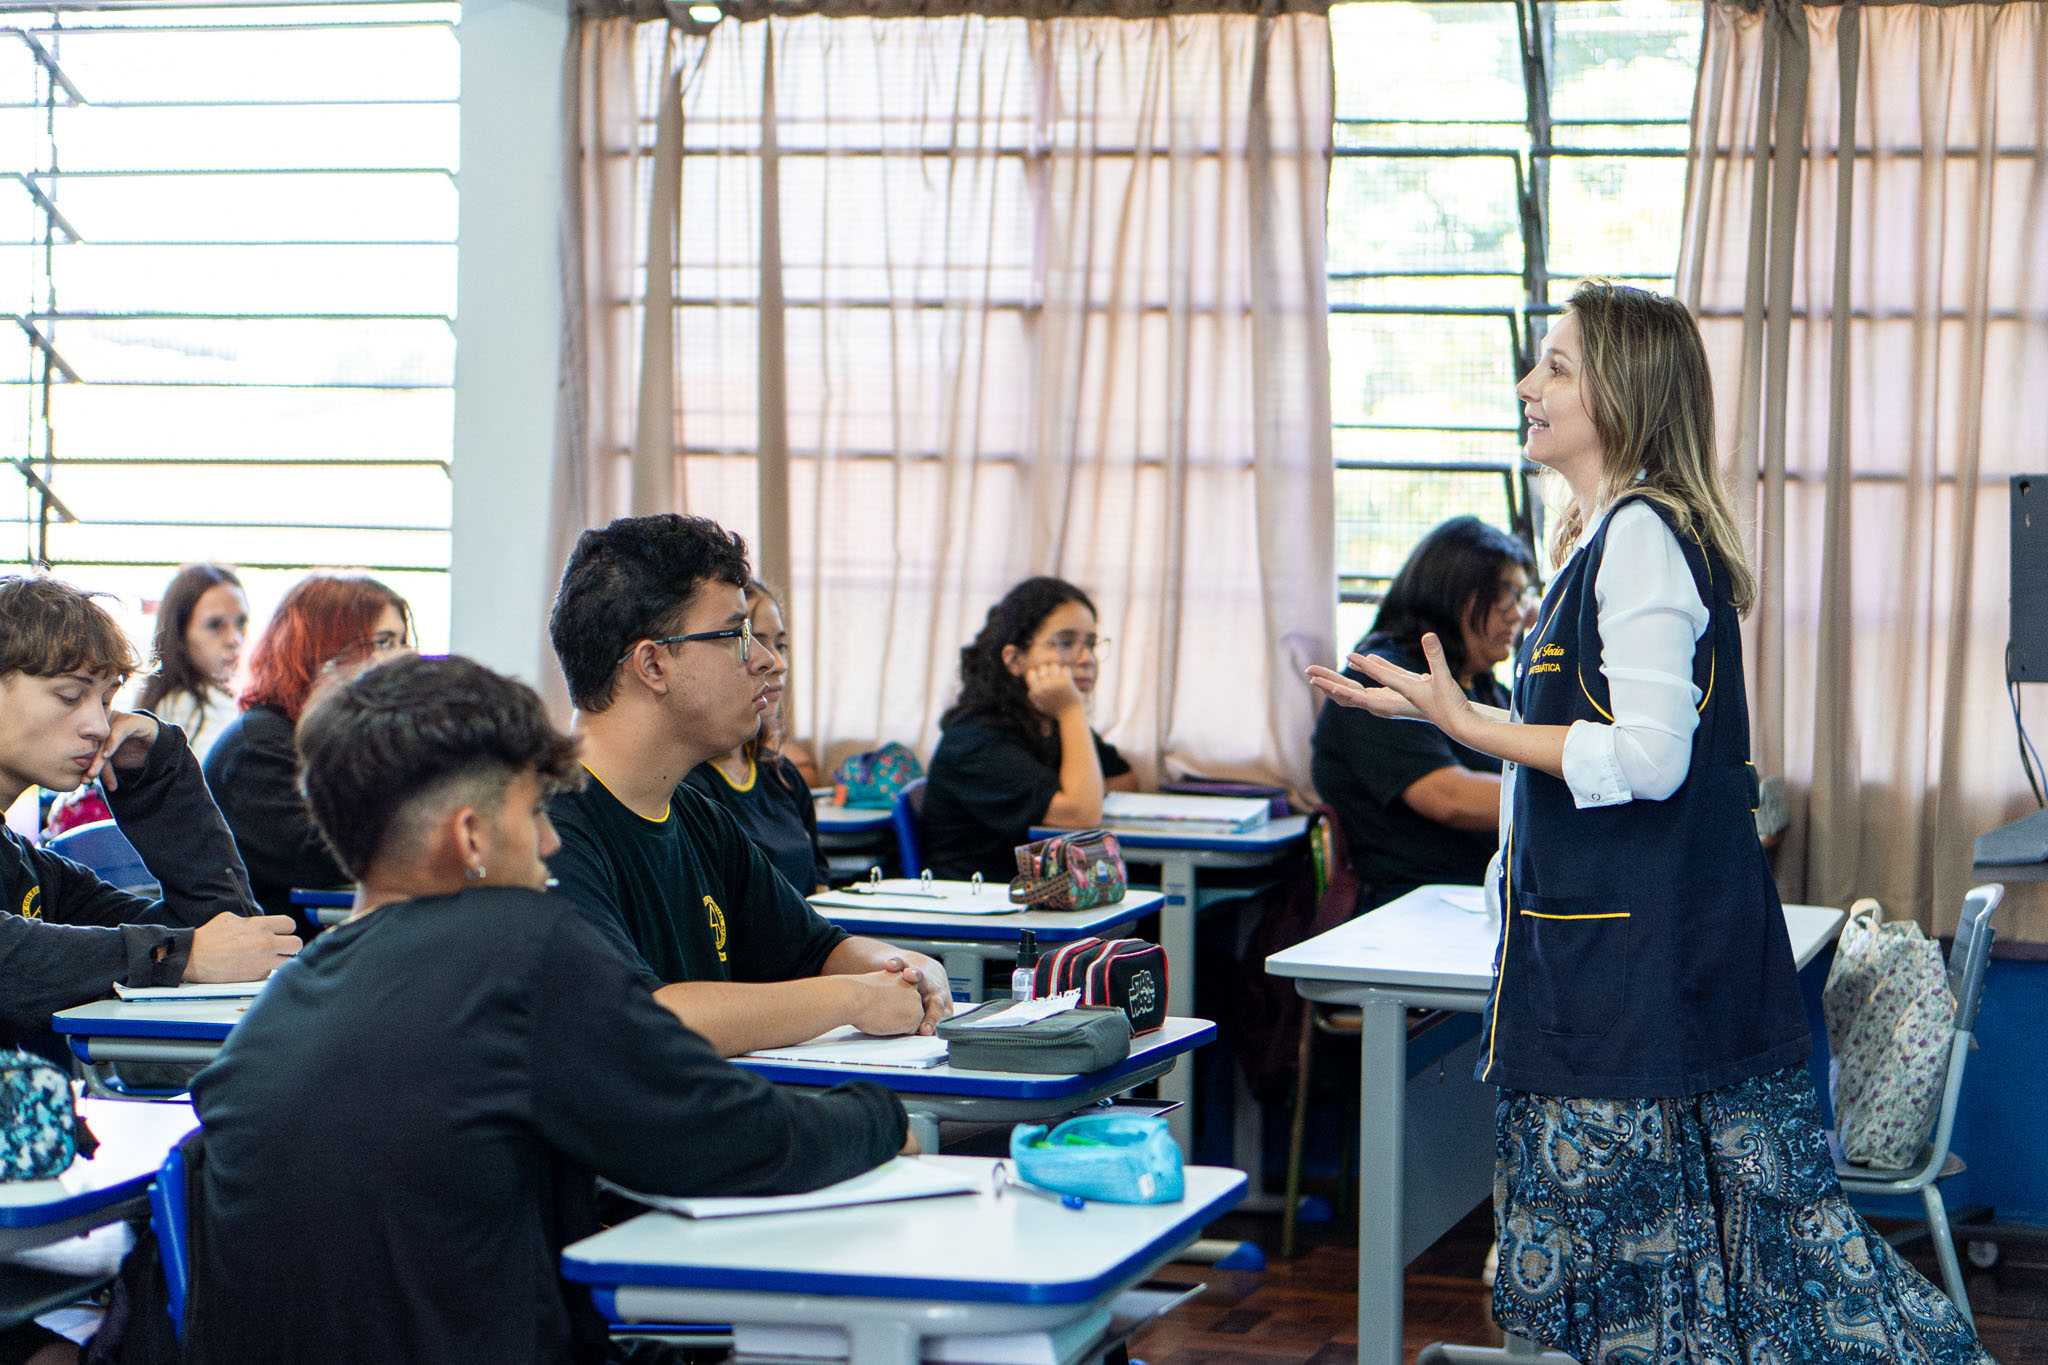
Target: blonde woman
<point x="1664" y="1191"/>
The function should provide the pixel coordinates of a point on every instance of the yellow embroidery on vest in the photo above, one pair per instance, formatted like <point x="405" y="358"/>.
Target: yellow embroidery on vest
<point x="1546" y="668"/>
<point x="1538" y="914"/>
<point x="1550" y="652"/>
<point x="717" y="918"/>
<point x="31" y="904"/>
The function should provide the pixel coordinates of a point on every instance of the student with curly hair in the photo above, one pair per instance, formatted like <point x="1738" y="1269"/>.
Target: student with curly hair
<point x="1016" y="748"/>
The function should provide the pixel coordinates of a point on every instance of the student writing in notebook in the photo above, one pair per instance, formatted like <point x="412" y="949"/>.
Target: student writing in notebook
<point x="403" y="1131"/>
<point x="1016" y="748"/>
<point x="756" y="781"/>
<point x="654" y="636"/>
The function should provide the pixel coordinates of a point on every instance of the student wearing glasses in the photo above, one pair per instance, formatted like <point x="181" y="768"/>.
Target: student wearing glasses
<point x="1418" y="808"/>
<point x="654" y="637"/>
<point x="1016" y="749"/>
<point x="757" y="781"/>
<point x="327" y="628"/>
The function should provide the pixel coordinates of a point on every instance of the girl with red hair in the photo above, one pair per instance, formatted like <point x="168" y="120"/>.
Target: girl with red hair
<point x="328" y="627"/>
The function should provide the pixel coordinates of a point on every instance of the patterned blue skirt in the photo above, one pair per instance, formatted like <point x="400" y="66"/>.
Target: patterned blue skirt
<point x="1709" y="1228"/>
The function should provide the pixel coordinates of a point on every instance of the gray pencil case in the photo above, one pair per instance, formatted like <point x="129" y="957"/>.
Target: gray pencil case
<point x="1078" y="1040"/>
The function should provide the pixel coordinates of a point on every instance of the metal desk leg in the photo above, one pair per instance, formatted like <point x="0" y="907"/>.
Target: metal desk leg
<point x="1177" y="937"/>
<point x="924" y="1126"/>
<point x="1382" y="1104"/>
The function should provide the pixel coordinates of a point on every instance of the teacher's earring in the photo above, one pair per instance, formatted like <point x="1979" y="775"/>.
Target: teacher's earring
<point x="474" y="874"/>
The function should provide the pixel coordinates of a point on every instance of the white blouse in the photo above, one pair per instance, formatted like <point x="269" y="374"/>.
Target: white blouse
<point x="1651" y="618"/>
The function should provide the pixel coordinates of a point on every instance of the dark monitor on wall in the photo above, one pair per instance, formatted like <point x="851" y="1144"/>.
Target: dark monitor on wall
<point x="2026" y="658"/>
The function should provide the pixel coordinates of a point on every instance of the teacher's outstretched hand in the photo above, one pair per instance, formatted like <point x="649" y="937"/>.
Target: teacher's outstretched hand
<point x="1433" y="696"/>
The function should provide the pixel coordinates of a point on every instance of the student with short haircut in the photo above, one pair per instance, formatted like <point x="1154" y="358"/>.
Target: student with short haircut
<point x="65" y="935"/>
<point x="403" y="1132"/>
<point x="653" y="635"/>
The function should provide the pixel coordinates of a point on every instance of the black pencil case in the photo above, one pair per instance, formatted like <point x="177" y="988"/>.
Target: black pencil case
<point x="1076" y="1040"/>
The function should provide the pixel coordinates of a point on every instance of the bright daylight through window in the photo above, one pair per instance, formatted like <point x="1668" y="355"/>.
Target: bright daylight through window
<point x="227" y="246"/>
<point x="1489" y="152"/>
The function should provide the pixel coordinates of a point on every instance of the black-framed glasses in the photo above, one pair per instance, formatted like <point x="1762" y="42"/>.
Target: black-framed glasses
<point x="743" y="632"/>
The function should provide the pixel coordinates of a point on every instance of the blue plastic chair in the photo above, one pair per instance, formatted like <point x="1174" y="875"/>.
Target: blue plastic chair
<point x="102" y="847"/>
<point x="168" y="1220"/>
<point x="908" y="812"/>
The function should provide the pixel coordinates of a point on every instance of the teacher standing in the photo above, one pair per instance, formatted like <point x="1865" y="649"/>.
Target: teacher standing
<point x="1664" y="1191"/>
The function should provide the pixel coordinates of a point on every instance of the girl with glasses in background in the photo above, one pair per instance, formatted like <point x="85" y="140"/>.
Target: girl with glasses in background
<point x="1016" y="749"/>
<point x="328" y="628"/>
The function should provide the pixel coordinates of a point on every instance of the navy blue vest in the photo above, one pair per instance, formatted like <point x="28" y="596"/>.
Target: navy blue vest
<point x="1643" y="950"/>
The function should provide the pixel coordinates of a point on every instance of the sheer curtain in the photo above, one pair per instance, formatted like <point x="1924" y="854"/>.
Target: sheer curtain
<point x="960" y="299"/>
<point x="1878" y="325"/>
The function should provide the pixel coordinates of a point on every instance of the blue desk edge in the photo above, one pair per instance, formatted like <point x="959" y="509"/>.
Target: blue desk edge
<point x="607" y="1277"/>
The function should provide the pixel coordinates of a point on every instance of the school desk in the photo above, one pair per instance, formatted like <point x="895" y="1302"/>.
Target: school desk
<point x="192" y="1031"/>
<point x="325" y="907"/>
<point x="1181" y="857"/>
<point x="44" y="1268"/>
<point x="890" y="1275"/>
<point x="933" y="1094"/>
<point x="965" y="942"/>
<point x="853" y="838"/>
<point x="1425" y="1143"/>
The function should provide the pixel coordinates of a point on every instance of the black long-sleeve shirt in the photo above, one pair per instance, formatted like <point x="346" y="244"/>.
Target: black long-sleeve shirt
<point x="67" y="936"/>
<point x="402" y="1132"/>
<point x="254" y="772"/>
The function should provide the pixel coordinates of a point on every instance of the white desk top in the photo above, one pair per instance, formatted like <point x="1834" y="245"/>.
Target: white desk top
<point x="886" y="915"/>
<point x="134" y="1139"/>
<point x="199" y="1020"/>
<point x="1271" y="836"/>
<point x="1171" y="1039"/>
<point x="851" y="819"/>
<point x="1438" y="937"/>
<point x="1015" y="1249"/>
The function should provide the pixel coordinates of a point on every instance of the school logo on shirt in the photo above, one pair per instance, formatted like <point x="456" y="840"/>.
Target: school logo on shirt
<point x="717" y="918"/>
<point x="32" y="903"/>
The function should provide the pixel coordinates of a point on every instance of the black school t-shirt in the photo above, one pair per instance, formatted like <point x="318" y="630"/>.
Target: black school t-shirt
<point x="401" y="1135"/>
<point x="689" y="895"/>
<point x="985" y="791"/>
<point x="1362" y="763"/>
<point x="775" y="809"/>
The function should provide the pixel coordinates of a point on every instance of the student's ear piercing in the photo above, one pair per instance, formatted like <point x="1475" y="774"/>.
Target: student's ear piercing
<point x="474" y="873"/>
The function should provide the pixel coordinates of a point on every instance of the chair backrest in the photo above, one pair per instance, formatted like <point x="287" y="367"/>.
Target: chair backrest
<point x="908" y="813"/>
<point x="169" y="1220"/>
<point x="102" y="847"/>
<point x="1969" y="957"/>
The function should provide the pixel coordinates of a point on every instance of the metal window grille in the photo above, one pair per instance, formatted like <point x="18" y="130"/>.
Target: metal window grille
<point x="1489" y="153"/>
<point x="227" y="263"/>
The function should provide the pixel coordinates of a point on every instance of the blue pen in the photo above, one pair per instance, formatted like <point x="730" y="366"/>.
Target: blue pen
<point x="1004" y="1180"/>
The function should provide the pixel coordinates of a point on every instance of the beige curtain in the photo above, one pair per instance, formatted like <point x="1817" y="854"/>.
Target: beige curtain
<point x="961" y="299"/>
<point x="1867" y="247"/>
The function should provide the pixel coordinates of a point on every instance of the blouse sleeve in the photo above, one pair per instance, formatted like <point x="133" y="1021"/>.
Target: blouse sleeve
<point x="1651" y="618"/>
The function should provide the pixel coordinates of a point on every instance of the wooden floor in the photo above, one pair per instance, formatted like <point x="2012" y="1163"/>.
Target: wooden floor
<point x="1303" y="1312"/>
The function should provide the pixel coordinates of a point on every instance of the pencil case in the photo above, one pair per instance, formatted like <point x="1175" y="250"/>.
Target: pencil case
<point x="1078" y="1040"/>
<point x="1116" y="1158"/>
<point x="1070" y="872"/>
<point x="1128" y="973"/>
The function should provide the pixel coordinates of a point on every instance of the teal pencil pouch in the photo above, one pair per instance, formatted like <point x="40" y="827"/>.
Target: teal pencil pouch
<point x="1116" y="1158"/>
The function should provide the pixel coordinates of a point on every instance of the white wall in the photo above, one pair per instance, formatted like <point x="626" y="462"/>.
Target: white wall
<point x="507" y="331"/>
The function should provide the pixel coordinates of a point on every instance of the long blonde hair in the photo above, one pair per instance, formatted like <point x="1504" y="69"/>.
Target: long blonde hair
<point x="1652" y="405"/>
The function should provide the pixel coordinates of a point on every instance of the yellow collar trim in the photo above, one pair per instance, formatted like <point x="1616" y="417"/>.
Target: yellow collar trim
<point x="621" y="800"/>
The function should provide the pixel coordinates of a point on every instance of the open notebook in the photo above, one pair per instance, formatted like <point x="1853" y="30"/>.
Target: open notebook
<point x="896" y="1178"/>
<point x="848" y="1044"/>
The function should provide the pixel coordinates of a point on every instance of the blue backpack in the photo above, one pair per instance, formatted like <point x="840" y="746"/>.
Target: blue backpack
<point x="42" y="1132"/>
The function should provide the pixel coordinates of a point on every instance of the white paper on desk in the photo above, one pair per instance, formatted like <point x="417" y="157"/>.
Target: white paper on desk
<point x="896" y="1178"/>
<point x="848" y="1044"/>
<point x="212" y="990"/>
<point x="1026" y="1011"/>
<point x="897" y="894"/>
